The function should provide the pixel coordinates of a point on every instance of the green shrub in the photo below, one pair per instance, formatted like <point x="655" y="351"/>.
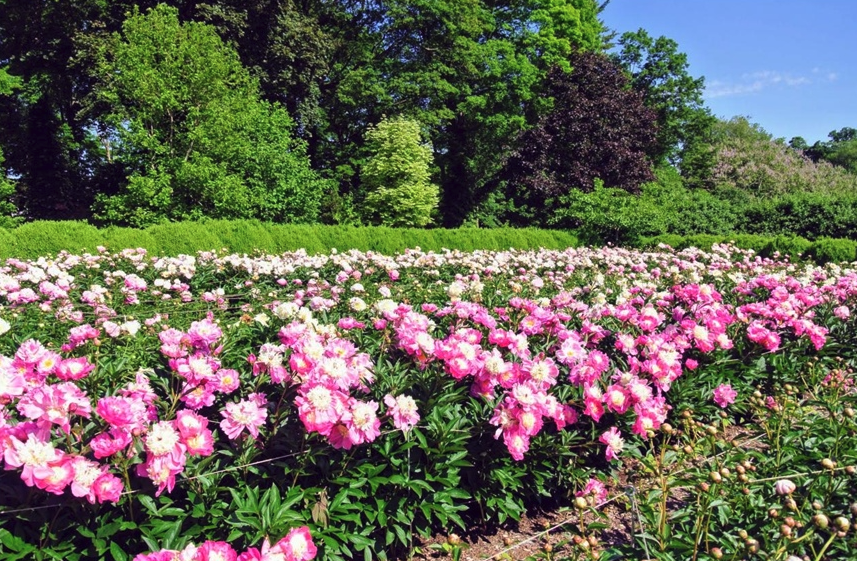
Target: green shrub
<point x="242" y="236"/>
<point x="116" y="238"/>
<point x="295" y="237"/>
<point x="827" y="250"/>
<point x="7" y="241"/>
<point x="810" y="215"/>
<point x="176" y="238"/>
<point x="40" y="238"/>
<point x="792" y="246"/>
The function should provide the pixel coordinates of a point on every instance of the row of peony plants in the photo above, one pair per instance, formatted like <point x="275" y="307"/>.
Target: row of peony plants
<point x="506" y="378"/>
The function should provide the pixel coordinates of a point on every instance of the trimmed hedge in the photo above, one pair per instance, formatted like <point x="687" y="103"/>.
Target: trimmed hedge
<point x="822" y="250"/>
<point x="44" y="238"/>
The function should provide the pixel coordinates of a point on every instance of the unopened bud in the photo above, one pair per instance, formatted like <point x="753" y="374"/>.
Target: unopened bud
<point x="716" y="552"/>
<point x="785" y="530"/>
<point x="593" y="541"/>
<point x="580" y="502"/>
<point x="820" y="521"/>
<point x="453" y="539"/>
<point x="827" y="463"/>
<point x="842" y="523"/>
<point x="784" y="487"/>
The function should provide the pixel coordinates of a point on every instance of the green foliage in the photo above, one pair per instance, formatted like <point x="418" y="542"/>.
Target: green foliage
<point x="117" y="238"/>
<point x="396" y="176"/>
<point x="826" y="250"/>
<point x="43" y="238"/>
<point x="660" y="72"/>
<point x="8" y="208"/>
<point x="184" y="117"/>
<point x="811" y="215"/>
<point x="607" y="215"/>
<point x="177" y="238"/>
<point x="48" y="237"/>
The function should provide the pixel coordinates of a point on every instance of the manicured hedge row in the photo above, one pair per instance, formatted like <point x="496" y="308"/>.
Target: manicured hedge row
<point x="41" y="238"/>
<point x="822" y="250"/>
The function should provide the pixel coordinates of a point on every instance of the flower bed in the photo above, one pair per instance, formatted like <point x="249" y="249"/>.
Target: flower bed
<point x="228" y="401"/>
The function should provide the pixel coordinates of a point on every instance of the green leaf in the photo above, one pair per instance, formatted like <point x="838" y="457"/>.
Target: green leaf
<point x="117" y="552"/>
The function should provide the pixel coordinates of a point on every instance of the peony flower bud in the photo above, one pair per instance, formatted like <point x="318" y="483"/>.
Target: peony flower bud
<point x="784" y="487"/>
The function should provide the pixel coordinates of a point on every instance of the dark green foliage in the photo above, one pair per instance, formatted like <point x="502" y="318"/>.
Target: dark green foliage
<point x="792" y="246"/>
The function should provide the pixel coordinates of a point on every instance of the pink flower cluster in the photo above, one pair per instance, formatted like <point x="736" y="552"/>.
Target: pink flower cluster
<point x="46" y="407"/>
<point x="296" y="546"/>
<point x="327" y="368"/>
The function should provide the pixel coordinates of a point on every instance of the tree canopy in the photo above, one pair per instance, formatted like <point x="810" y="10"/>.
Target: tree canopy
<point x="597" y="129"/>
<point x="173" y="105"/>
<point x="136" y="112"/>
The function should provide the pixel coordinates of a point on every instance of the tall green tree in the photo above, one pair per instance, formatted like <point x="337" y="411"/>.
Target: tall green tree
<point x="8" y="206"/>
<point x="839" y="150"/>
<point x="660" y="72"/>
<point x="468" y="70"/>
<point x="397" y="176"/>
<point x="47" y="142"/>
<point x="598" y="129"/>
<point x="175" y="108"/>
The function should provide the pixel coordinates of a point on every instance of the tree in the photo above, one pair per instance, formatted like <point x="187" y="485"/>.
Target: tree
<point x="175" y="108"/>
<point x="8" y="208"/>
<point x="840" y="150"/>
<point x="597" y="129"/>
<point x="396" y="175"/>
<point x="660" y="72"/>
<point x="750" y="160"/>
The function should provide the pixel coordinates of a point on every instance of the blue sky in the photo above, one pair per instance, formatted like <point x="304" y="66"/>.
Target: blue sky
<point x="789" y="65"/>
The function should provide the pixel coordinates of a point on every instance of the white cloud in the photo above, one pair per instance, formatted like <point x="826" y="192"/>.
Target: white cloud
<point x="756" y="82"/>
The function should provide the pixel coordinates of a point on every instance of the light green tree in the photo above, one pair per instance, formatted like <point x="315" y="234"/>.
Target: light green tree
<point x="396" y="176"/>
<point x="176" y="109"/>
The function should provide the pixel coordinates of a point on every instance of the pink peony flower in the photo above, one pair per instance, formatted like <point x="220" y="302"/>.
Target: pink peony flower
<point x="403" y="410"/>
<point x="724" y="395"/>
<point x="613" y="439"/>
<point x="298" y="545"/>
<point x="246" y="414"/>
